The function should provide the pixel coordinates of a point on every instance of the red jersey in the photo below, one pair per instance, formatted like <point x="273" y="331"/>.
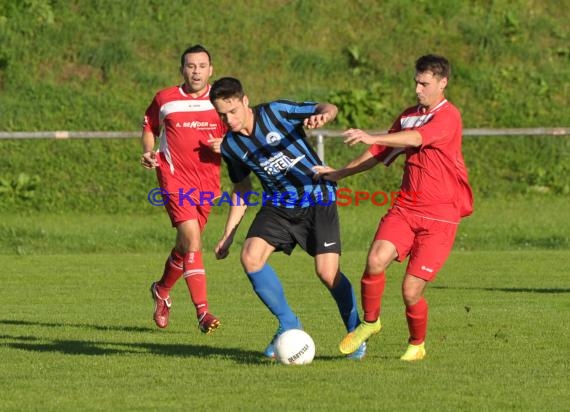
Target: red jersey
<point x="184" y="125"/>
<point x="435" y="181"/>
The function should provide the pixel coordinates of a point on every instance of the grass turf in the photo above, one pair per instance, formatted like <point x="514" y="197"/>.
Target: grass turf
<point x="77" y="334"/>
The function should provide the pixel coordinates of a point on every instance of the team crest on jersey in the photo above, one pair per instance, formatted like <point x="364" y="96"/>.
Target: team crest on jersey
<point x="273" y="138"/>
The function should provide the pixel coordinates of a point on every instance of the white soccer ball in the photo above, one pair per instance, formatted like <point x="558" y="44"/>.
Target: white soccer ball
<point x="294" y="347"/>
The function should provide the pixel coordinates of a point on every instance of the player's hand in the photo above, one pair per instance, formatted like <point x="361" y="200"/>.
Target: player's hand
<point x="222" y="249"/>
<point x="215" y="144"/>
<point x="316" y="120"/>
<point x="354" y="136"/>
<point x="149" y="160"/>
<point x="326" y="173"/>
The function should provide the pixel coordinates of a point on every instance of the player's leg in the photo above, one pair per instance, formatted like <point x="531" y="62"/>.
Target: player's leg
<point x="189" y="243"/>
<point x="173" y="270"/>
<point x="372" y="283"/>
<point x="327" y="269"/>
<point x="160" y="290"/>
<point x="416" y="316"/>
<point x="392" y="241"/>
<point x="265" y="282"/>
<point x="267" y="286"/>
<point x="432" y="245"/>
<point x="319" y="235"/>
<point x="381" y="254"/>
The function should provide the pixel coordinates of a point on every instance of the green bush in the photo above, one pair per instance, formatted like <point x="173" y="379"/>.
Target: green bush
<point x="95" y="65"/>
<point x="104" y="175"/>
<point x="82" y="65"/>
<point x="20" y="188"/>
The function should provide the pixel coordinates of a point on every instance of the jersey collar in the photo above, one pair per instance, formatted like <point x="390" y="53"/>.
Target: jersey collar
<point x="423" y="110"/>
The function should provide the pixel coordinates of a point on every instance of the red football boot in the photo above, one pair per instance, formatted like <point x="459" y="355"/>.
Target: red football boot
<point x="161" y="307"/>
<point x="208" y="323"/>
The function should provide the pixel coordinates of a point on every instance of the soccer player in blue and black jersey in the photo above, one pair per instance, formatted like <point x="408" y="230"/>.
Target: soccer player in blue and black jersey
<point x="269" y="140"/>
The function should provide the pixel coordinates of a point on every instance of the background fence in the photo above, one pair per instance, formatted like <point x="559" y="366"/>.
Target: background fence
<point x="319" y="135"/>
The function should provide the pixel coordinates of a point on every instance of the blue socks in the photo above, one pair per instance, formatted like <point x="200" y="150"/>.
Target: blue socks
<point x="345" y="299"/>
<point x="268" y="287"/>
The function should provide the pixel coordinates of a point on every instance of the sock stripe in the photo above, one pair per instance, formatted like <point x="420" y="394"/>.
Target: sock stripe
<point x="174" y="264"/>
<point x="195" y="277"/>
<point x="194" y="272"/>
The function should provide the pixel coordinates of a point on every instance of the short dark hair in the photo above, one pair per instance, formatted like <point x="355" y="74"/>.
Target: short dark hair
<point x="438" y="65"/>
<point x="197" y="48"/>
<point x="226" y="88"/>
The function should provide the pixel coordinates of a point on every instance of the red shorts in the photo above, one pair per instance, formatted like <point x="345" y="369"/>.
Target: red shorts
<point x="427" y="241"/>
<point x="181" y="209"/>
<point x="184" y="201"/>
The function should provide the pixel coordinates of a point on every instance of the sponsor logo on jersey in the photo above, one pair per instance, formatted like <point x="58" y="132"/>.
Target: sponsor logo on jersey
<point x="279" y="163"/>
<point x="196" y="125"/>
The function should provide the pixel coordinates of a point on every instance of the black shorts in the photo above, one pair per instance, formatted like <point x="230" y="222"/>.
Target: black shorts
<point x="314" y="228"/>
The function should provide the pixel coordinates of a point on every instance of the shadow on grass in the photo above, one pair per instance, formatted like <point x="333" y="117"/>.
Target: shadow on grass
<point x="101" y="347"/>
<point x="77" y="325"/>
<point x="515" y="290"/>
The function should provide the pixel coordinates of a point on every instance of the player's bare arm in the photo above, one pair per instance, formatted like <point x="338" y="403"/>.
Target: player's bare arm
<point x="324" y="113"/>
<point x="148" y="158"/>
<point x="235" y="215"/>
<point x="405" y="138"/>
<point x="364" y="162"/>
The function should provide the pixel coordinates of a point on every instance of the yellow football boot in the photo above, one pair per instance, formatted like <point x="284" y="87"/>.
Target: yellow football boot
<point x="414" y="352"/>
<point x="358" y="336"/>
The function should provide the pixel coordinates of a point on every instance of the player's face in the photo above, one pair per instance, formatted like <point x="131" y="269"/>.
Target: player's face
<point x="234" y="112"/>
<point x="196" y="71"/>
<point x="429" y="89"/>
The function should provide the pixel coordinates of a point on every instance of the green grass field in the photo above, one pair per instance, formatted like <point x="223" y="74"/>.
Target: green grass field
<point x="77" y="330"/>
<point x="77" y="334"/>
<point x="79" y="244"/>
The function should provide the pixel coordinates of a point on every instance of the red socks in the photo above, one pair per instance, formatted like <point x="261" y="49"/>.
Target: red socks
<point x="172" y="272"/>
<point x="417" y="317"/>
<point x="372" y="289"/>
<point x="195" y="277"/>
<point x="192" y="267"/>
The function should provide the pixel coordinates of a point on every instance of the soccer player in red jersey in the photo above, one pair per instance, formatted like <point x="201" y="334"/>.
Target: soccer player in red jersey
<point x="187" y="165"/>
<point x="435" y="194"/>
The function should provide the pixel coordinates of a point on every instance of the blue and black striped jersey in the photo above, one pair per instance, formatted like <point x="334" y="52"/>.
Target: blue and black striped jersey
<point x="279" y="155"/>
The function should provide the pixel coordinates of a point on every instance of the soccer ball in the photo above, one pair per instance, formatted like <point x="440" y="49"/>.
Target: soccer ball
<point x="294" y="347"/>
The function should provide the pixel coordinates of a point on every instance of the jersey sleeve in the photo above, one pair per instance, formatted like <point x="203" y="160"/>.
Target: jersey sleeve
<point x="385" y="154"/>
<point x="441" y="128"/>
<point x="296" y="112"/>
<point x="151" y="121"/>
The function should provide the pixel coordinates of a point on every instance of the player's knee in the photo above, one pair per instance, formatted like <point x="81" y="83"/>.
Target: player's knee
<point x="329" y="278"/>
<point x="185" y="248"/>
<point x="182" y="247"/>
<point x="410" y="300"/>
<point x="376" y="263"/>
<point x="251" y="262"/>
<point x="185" y="245"/>
<point x="411" y="296"/>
